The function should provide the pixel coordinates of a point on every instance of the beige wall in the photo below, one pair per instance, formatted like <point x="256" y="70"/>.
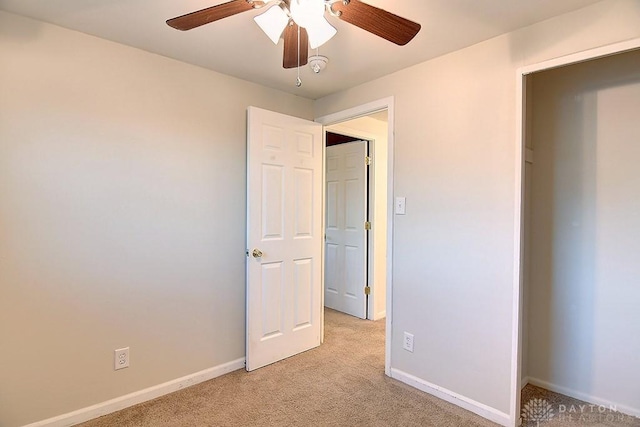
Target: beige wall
<point x="454" y="157"/>
<point x="122" y="217"/>
<point x="584" y="323"/>
<point x="122" y="210"/>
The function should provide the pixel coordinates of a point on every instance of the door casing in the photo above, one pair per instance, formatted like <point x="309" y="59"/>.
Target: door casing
<point x="353" y="113"/>
<point x="518" y="260"/>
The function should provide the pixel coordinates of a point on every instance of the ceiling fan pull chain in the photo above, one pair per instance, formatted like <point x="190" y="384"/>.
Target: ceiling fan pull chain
<point x="298" y="81"/>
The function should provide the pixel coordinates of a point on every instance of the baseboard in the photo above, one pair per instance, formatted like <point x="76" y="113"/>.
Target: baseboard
<point x="525" y="382"/>
<point x="471" y="405"/>
<point x="122" y="402"/>
<point x="628" y="410"/>
<point x="380" y="315"/>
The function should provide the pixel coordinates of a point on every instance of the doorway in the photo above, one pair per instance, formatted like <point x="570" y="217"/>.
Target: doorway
<point x="347" y="225"/>
<point x="384" y="185"/>
<point x="578" y="184"/>
<point x="366" y="274"/>
<point x="284" y="148"/>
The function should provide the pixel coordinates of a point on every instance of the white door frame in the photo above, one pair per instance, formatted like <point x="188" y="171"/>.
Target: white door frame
<point x="354" y="113"/>
<point x="518" y="262"/>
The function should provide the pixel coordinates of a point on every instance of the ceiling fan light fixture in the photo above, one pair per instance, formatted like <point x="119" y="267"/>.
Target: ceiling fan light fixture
<point x="320" y="32"/>
<point x="273" y="22"/>
<point x="318" y="63"/>
<point x="303" y="23"/>
<point x="306" y="13"/>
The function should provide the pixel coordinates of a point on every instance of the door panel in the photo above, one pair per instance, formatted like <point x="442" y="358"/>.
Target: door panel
<point x="345" y="247"/>
<point x="284" y="196"/>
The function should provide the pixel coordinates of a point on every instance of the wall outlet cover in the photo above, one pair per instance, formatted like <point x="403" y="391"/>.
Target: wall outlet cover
<point x="121" y="358"/>
<point x="407" y="342"/>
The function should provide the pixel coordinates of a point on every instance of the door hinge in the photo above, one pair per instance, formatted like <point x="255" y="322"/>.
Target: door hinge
<point x="367" y="290"/>
<point x="368" y="160"/>
<point x="367" y="225"/>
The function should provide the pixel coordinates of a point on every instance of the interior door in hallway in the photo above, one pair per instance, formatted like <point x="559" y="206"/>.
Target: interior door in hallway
<point x="284" y="236"/>
<point x="346" y="237"/>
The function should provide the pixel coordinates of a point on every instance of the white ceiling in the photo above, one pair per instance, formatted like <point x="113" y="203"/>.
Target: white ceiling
<point x="237" y="47"/>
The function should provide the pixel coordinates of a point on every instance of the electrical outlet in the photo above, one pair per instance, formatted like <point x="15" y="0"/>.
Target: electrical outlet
<point x="121" y="358"/>
<point x="407" y="342"/>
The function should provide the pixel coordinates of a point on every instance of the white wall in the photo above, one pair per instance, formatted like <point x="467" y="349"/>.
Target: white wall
<point x="122" y="217"/>
<point x="454" y="157"/>
<point x="376" y="130"/>
<point x="584" y="323"/>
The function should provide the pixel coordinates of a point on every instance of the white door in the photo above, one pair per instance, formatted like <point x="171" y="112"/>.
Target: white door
<point x="284" y="236"/>
<point x="345" y="246"/>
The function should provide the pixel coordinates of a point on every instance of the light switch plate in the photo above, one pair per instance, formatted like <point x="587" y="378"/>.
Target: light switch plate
<point x="401" y="205"/>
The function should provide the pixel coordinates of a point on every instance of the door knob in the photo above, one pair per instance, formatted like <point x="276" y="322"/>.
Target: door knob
<point x="257" y="253"/>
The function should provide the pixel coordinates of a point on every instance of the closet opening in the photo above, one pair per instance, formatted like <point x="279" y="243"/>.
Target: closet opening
<point x="580" y="264"/>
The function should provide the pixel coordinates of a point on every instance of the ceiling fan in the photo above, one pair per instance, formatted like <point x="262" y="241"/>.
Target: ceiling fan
<point x="302" y="23"/>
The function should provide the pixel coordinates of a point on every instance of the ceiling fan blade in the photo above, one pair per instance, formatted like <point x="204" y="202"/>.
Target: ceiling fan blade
<point x="210" y="14"/>
<point x="290" y="59"/>
<point x="377" y="21"/>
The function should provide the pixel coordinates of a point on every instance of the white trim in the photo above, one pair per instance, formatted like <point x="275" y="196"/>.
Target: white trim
<point x="624" y="409"/>
<point x="380" y="315"/>
<point x="352" y="113"/>
<point x="516" y="326"/>
<point x="587" y="55"/>
<point x="471" y="405"/>
<point x="128" y="400"/>
<point x="324" y="227"/>
<point x="356" y="112"/>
